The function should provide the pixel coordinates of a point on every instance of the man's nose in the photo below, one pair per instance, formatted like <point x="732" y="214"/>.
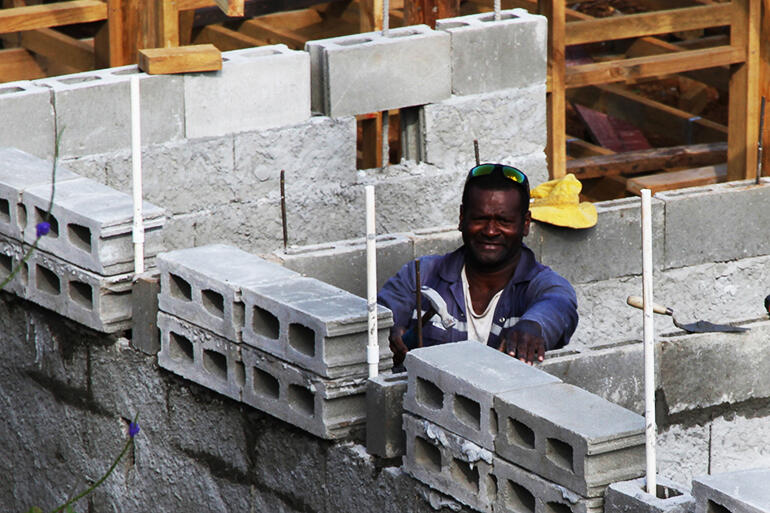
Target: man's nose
<point x="491" y="228"/>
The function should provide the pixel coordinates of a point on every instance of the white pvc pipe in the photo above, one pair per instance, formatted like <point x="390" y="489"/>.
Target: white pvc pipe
<point x="385" y="17"/>
<point x="372" y="347"/>
<point x="497" y="10"/>
<point x="649" y="342"/>
<point x="136" y="161"/>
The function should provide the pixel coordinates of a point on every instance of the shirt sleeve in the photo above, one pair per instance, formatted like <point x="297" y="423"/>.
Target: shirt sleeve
<point x="552" y="304"/>
<point x="398" y="295"/>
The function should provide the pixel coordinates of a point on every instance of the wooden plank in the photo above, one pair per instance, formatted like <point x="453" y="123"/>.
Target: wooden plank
<point x="212" y="15"/>
<point x="231" y="7"/>
<point x="168" y="23"/>
<point x="556" y="146"/>
<point x="18" y="64"/>
<point x="182" y="59"/>
<point x="648" y="24"/>
<point x="671" y="180"/>
<point x="226" y="39"/>
<point x="56" y="14"/>
<point x="651" y="66"/>
<point x="577" y="148"/>
<point x="648" y="160"/>
<point x="370" y="12"/>
<point x="273" y="34"/>
<point x="76" y="53"/>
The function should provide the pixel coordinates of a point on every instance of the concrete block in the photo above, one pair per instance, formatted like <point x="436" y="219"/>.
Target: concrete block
<point x="489" y="55"/>
<point x="29" y="116"/>
<point x="93" y="109"/>
<point x="343" y="263"/>
<point x="10" y="258"/>
<point x="328" y="409"/>
<point x="372" y="72"/>
<point x="453" y="385"/>
<point x="144" y="313"/>
<point x="744" y="491"/>
<point x="570" y="436"/>
<point x="509" y="124"/>
<point x="19" y="171"/>
<point x="384" y="409"/>
<point x="200" y="356"/>
<point x="632" y="497"/>
<point x="313" y="325"/>
<point x="436" y="241"/>
<point x="99" y="302"/>
<point x="203" y="285"/>
<point x="256" y="88"/>
<point x="91" y="225"/>
<point x="690" y="222"/>
<point x="574" y="253"/>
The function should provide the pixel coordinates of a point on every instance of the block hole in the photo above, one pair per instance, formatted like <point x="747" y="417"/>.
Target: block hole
<point x="24" y="273"/>
<point x="664" y="492"/>
<point x="427" y="455"/>
<point x="715" y="507"/>
<point x="402" y="33"/>
<point x="491" y="17"/>
<point x="266" y="52"/>
<point x="9" y="90"/>
<point x="239" y="314"/>
<point x="429" y="394"/>
<point x="5" y="211"/>
<point x="79" y="236"/>
<point x="47" y="281"/>
<point x="82" y="294"/>
<point x="21" y="216"/>
<point x="80" y="80"/>
<point x="40" y="216"/>
<point x="557" y="507"/>
<point x="465" y="475"/>
<point x="559" y="453"/>
<point x="240" y="374"/>
<point x="493" y="422"/>
<point x="491" y="488"/>
<point x="519" y="499"/>
<point x="520" y="434"/>
<point x="213" y="302"/>
<point x="302" y="339"/>
<point x="264" y="323"/>
<point x="302" y="400"/>
<point x="467" y="411"/>
<point x="180" y="347"/>
<point x="454" y="24"/>
<point x="6" y="265"/>
<point x="129" y="71"/>
<point x="180" y="288"/>
<point x="353" y="42"/>
<point x="265" y="384"/>
<point x="369" y="139"/>
<point x="215" y="363"/>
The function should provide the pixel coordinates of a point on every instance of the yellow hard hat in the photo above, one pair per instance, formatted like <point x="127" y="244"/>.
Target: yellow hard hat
<point x="558" y="202"/>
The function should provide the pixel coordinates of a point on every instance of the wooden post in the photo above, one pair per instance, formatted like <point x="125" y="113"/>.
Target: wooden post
<point x="168" y="23"/>
<point x="370" y="15"/>
<point x="556" y="148"/>
<point x="743" y="115"/>
<point x="428" y="11"/>
<point x="765" y="75"/>
<point x="108" y="41"/>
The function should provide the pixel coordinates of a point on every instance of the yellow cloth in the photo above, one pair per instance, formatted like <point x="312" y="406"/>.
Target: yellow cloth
<point x="558" y="202"/>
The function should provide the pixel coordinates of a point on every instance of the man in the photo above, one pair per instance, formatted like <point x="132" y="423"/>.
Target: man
<point x="493" y="286"/>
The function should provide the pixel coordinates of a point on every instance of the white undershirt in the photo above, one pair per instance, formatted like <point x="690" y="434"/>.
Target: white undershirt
<point x="478" y="324"/>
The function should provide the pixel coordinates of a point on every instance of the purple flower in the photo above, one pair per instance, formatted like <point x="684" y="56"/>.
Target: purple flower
<point x="133" y="429"/>
<point x="43" y="228"/>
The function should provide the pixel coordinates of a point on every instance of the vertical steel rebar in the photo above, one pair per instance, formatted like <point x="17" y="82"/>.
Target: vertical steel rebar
<point x="418" y="292"/>
<point x="283" y="210"/>
<point x="476" y="151"/>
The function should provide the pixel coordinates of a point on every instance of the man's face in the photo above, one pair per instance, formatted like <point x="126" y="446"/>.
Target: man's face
<point x="493" y="226"/>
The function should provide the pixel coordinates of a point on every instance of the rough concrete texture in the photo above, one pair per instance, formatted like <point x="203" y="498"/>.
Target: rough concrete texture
<point x="373" y="72"/>
<point x="495" y="119"/>
<point x="144" y="312"/>
<point x="256" y="88"/>
<point x="11" y="254"/>
<point x="743" y="491"/>
<point x="632" y="497"/>
<point x="32" y="103"/>
<point x="489" y="55"/>
<point x="683" y="452"/>
<point x="384" y="408"/>
<point x="446" y="387"/>
<point x="739" y="442"/>
<point x="690" y="222"/>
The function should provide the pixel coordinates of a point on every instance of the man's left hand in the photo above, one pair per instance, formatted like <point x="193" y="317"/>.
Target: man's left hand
<point x="525" y="346"/>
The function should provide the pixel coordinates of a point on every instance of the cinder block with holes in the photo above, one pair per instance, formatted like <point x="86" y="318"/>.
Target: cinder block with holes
<point x="489" y="55"/>
<point x="91" y="225"/>
<point x="203" y="285"/>
<point x="20" y="171"/>
<point x="454" y="386"/>
<point x="373" y="72"/>
<point x="327" y="408"/>
<point x="570" y="436"/>
<point x="102" y="303"/>
<point x="313" y="325"/>
<point x="632" y="497"/>
<point x="384" y="414"/>
<point x="10" y="258"/>
<point x="742" y="491"/>
<point x="200" y="356"/>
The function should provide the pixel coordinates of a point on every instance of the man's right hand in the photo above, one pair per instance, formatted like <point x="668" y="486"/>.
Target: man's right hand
<point x="397" y="346"/>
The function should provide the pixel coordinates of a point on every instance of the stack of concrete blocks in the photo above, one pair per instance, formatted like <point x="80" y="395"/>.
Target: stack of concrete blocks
<point x="514" y="438"/>
<point x="82" y="269"/>
<point x="264" y="335"/>
<point x="742" y="491"/>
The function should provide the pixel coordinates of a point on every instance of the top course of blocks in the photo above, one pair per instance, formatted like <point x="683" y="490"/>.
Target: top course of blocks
<point x="743" y="491"/>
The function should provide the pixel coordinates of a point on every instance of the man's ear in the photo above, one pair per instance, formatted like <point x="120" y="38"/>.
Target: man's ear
<point x="460" y="223"/>
<point x="527" y="219"/>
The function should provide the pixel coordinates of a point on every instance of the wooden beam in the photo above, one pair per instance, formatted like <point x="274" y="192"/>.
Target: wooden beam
<point x="636" y="162"/>
<point x="578" y="148"/>
<point x="651" y="66"/>
<point x="76" y="53"/>
<point x="647" y="24"/>
<point x="226" y="39"/>
<point x="556" y="146"/>
<point x="231" y="7"/>
<point x="370" y="14"/>
<point x="273" y="34"/>
<point x="18" y="64"/>
<point x="168" y="23"/>
<point x="677" y="179"/>
<point x="181" y="59"/>
<point x="765" y="81"/>
<point x="33" y="17"/>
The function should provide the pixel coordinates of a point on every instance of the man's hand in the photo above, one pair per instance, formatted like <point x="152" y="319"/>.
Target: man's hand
<point x="525" y="346"/>
<point x="397" y="346"/>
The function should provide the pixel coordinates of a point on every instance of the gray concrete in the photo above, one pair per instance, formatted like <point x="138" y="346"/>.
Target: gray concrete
<point x="490" y="55"/>
<point x="570" y="436"/>
<point x="256" y="88"/>
<point x="11" y="254"/>
<point x="31" y="104"/>
<point x="447" y="387"/>
<point x="373" y="72"/>
<point x="144" y="312"/>
<point x="384" y="408"/>
<point x="743" y="491"/>
<point x="632" y="497"/>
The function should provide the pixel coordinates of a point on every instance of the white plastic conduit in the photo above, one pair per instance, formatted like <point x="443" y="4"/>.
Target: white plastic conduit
<point x="136" y="161"/>
<point x="372" y="348"/>
<point x="649" y="342"/>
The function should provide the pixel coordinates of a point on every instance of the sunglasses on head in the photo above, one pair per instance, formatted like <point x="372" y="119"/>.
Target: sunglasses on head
<point x="508" y="171"/>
